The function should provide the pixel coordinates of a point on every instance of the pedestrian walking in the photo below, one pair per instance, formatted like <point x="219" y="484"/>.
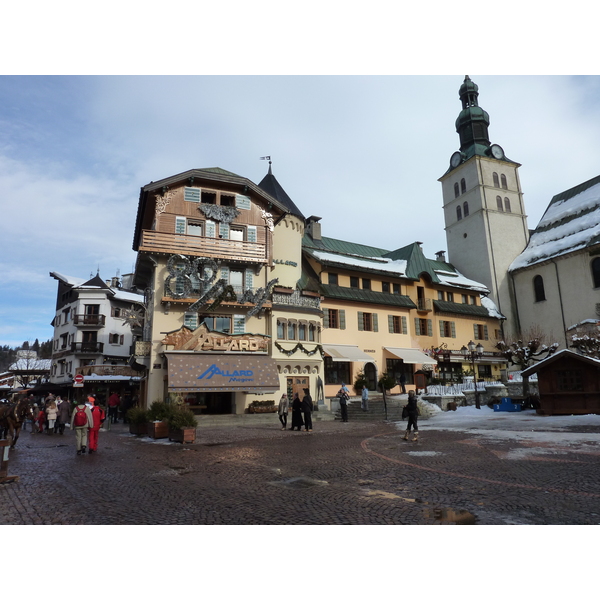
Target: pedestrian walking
<point x="296" y="413"/>
<point x="282" y="411"/>
<point x="41" y="419"/>
<point x="402" y="382"/>
<point x="64" y="414"/>
<point x="113" y="407"/>
<point x="98" y="416"/>
<point x="364" y="404"/>
<point x="81" y="420"/>
<point x="307" y="408"/>
<point x="412" y="411"/>
<point x="343" y="398"/>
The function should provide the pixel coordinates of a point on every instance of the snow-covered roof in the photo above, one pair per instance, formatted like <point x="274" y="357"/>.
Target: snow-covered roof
<point x="74" y="281"/>
<point x="491" y="307"/>
<point x="397" y="267"/>
<point x="457" y="279"/>
<point x="553" y="357"/>
<point x="128" y="296"/>
<point x="571" y="222"/>
<point x="31" y="364"/>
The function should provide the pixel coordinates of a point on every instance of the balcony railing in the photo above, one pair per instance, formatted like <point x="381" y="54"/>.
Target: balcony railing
<point x="89" y="320"/>
<point x="424" y="304"/>
<point x="195" y="245"/>
<point x="87" y="347"/>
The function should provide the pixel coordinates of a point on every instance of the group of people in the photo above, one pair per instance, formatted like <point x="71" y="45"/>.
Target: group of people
<point x="53" y="415"/>
<point x="86" y="421"/>
<point x="301" y="411"/>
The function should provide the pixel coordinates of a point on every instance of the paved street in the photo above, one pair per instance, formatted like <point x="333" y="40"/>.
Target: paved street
<point x="495" y="472"/>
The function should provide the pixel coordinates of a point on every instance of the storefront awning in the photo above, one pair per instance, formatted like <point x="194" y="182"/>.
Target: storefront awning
<point x="339" y="353"/>
<point x="195" y="372"/>
<point x="412" y="356"/>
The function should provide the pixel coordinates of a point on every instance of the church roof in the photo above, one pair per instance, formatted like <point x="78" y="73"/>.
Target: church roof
<point x="571" y="222"/>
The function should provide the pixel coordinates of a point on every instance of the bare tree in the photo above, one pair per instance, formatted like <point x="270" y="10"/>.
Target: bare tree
<point x="524" y="354"/>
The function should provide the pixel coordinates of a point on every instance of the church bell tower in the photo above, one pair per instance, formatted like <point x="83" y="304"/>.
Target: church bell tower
<point x="484" y="215"/>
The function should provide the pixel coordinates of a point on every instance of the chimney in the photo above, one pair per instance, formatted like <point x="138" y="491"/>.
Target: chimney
<point x="114" y="282"/>
<point x="313" y="227"/>
<point x="440" y="256"/>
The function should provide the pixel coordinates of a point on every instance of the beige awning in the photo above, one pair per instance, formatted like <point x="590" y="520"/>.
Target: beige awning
<point x="339" y="353"/>
<point x="196" y="372"/>
<point x="412" y="356"/>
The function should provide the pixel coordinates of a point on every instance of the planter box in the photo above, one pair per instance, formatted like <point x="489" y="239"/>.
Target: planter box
<point x="186" y="435"/>
<point x="262" y="409"/>
<point x="158" y="430"/>
<point x="138" y="428"/>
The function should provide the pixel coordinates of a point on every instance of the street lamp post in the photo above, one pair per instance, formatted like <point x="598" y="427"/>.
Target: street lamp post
<point x="472" y="353"/>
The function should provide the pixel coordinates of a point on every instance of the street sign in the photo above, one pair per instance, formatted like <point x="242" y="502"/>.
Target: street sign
<point x="78" y="380"/>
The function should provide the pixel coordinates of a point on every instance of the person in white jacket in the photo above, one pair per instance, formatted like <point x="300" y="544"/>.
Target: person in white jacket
<point x="282" y="411"/>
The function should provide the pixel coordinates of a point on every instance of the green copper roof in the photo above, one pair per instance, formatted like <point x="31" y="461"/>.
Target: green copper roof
<point x="460" y="309"/>
<point x="416" y="263"/>
<point x="341" y="246"/>
<point x="219" y="171"/>
<point x="336" y="292"/>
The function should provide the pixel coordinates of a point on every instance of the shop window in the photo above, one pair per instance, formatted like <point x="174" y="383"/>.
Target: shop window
<point x="396" y="367"/>
<point x="336" y="372"/>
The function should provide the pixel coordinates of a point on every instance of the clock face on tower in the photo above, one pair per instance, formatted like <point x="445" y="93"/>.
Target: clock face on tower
<point x="497" y="151"/>
<point x="455" y="160"/>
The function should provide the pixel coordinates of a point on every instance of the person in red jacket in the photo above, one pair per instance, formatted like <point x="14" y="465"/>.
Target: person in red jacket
<point x="98" y="417"/>
<point x="113" y="407"/>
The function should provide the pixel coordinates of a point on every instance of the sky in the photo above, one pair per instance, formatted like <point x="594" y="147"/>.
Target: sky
<point x="358" y="133"/>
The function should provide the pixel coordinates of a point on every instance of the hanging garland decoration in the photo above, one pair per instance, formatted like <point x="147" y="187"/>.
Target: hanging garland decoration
<point x="223" y="214"/>
<point x="182" y="269"/>
<point x="258" y="298"/>
<point x="300" y="347"/>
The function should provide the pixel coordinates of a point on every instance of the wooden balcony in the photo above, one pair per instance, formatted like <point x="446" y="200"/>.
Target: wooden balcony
<point x="195" y="245"/>
<point x="89" y="320"/>
<point x="87" y="347"/>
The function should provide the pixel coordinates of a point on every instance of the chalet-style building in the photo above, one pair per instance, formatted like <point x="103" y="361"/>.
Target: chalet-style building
<point x="96" y="327"/>
<point x="219" y="258"/>
<point x="557" y="277"/>
<point x="396" y="312"/>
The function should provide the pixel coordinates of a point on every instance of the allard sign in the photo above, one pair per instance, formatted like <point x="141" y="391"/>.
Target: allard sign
<point x="205" y="340"/>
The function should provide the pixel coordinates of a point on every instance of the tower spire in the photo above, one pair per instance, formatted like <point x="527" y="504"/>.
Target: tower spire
<point x="473" y="122"/>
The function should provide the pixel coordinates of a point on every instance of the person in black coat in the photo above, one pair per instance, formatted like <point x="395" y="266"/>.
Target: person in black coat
<point x="307" y="408"/>
<point x="296" y="413"/>
<point x="413" y="413"/>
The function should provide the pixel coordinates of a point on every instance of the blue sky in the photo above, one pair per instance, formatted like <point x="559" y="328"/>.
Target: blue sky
<point x="362" y="152"/>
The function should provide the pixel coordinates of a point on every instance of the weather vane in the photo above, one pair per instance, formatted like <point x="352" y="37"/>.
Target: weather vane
<point x="266" y="158"/>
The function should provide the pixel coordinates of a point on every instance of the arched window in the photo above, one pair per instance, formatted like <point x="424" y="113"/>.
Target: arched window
<point x="499" y="203"/>
<point x="596" y="272"/>
<point x="496" y="180"/>
<point x="458" y="213"/>
<point x="506" y="204"/>
<point x="456" y="190"/>
<point x="503" y="181"/>
<point x="538" y="288"/>
<point x="463" y="186"/>
<point x="466" y="209"/>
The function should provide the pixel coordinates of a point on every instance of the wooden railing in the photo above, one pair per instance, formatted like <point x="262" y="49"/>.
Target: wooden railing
<point x="194" y="245"/>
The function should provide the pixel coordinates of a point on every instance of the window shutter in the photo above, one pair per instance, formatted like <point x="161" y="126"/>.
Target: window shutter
<point x="224" y="230"/>
<point x="211" y="229"/>
<point x="429" y="327"/>
<point x="326" y="317"/>
<point x="225" y="273"/>
<point x="190" y="320"/>
<point x="452" y="329"/>
<point x="417" y="328"/>
<point x="391" y="323"/>
<point x="242" y="202"/>
<point x="239" y="324"/>
<point x="342" y="319"/>
<point x="475" y="332"/>
<point x="442" y="329"/>
<point x="375" y="322"/>
<point x="248" y="278"/>
<point x="180" y="225"/>
<point x="121" y="339"/>
<point x="485" y="332"/>
<point x="191" y="194"/>
<point x="404" y="326"/>
<point x="361" y="321"/>
<point x="251" y="233"/>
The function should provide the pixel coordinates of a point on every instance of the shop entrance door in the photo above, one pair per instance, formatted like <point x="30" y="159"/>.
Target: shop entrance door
<point x="370" y="372"/>
<point x="296" y="384"/>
